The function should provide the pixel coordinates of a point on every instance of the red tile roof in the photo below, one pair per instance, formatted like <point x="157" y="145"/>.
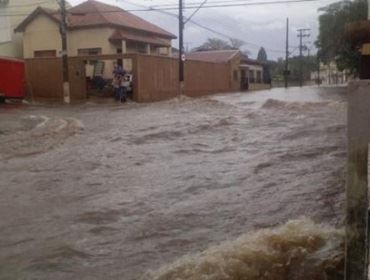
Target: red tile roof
<point x="94" y="13"/>
<point x="219" y="56"/>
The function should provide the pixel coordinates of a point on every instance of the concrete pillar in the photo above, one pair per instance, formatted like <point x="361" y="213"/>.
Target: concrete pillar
<point x="356" y="245"/>
<point x="124" y="46"/>
<point x="364" y="62"/>
<point x="147" y="48"/>
<point x="169" y="51"/>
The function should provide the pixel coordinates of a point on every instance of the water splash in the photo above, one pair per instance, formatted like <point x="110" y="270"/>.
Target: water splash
<point x="300" y="249"/>
<point x="45" y="135"/>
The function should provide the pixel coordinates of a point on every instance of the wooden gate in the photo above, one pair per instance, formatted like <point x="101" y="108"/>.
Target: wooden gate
<point x="77" y="80"/>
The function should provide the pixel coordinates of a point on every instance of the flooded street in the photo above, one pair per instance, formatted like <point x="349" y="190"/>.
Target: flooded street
<point x="110" y="191"/>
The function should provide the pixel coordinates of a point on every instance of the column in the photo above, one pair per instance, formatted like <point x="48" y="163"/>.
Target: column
<point x="147" y="48"/>
<point x="124" y="47"/>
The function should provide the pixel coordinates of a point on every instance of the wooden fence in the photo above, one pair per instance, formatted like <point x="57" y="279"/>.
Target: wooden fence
<point x="44" y="80"/>
<point x="155" y="77"/>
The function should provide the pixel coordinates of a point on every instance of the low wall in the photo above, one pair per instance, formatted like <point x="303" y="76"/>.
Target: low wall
<point x="253" y="87"/>
<point x="44" y="79"/>
<point x="157" y="78"/>
<point x="206" y="78"/>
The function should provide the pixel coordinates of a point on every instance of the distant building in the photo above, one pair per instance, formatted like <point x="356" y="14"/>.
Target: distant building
<point x="329" y="75"/>
<point x="94" y="28"/>
<point x="247" y="74"/>
<point x="13" y="12"/>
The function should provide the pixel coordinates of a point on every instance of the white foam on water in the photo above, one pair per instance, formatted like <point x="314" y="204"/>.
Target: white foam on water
<point x="300" y="249"/>
<point x="48" y="134"/>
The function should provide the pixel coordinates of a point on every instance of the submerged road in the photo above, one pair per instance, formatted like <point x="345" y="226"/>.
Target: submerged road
<point x="110" y="191"/>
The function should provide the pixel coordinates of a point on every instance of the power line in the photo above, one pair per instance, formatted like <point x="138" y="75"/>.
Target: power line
<point x="220" y="5"/>
<point x="151" y="9"/>
<point x="198" y="3"/>
<point x="29" y="4"/>
<point x="208" y="28"/>
<point x="210" y="5"/>
<point x="302" y="33"/>
<point x="229" y="37"/>
<point x="163" y="11"/>
<point x="193" y="14"/>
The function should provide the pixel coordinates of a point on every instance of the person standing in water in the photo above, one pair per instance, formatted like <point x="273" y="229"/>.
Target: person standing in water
<point x="118" y="83"/>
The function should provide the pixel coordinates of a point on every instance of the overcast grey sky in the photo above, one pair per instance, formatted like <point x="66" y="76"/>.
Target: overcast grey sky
<point x="257" y="25"/>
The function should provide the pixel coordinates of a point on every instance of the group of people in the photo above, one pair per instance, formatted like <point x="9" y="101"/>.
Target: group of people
<point x="120" y="91"/>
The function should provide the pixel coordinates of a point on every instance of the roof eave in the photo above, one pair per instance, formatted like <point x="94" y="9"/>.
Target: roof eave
<point x="169" y="36"/>
<point x="39" y="10"/>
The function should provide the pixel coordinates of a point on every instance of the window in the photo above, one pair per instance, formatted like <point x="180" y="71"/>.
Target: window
<point x="87" y="52"/>
<point x="235" y="74"/>
<point x="163" y="51"/>
<point x="251" y="77"/>
<point x="91" y="51"/>
<point x="259" y="77"/>
<point x="45" y="53"/>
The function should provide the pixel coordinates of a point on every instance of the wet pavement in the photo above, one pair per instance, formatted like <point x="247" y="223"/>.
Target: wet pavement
<point x="111" y="191"/>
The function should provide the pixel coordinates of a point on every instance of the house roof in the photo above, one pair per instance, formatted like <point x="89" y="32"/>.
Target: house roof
<point x="248" y="61"/>
<point x="219" y="56"/>
<point x="94" y="13"/>
<point x="38" y="11"/>
<point x="131" y="36"/>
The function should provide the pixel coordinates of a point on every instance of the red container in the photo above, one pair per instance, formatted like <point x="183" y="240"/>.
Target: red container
<point x="12" y="77"/>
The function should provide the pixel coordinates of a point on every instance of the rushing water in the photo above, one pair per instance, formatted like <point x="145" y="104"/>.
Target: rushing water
<point x="229" y="187"/>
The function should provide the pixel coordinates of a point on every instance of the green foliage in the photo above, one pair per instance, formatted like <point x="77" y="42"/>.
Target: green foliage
<point x="219" y="44"/>
<point x="331" y="43"/>
<point x="262" y="56"/>
<point x="309" y="64"/>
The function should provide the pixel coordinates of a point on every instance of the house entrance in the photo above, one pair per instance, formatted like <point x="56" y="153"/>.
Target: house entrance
<point x="105" y="75"/>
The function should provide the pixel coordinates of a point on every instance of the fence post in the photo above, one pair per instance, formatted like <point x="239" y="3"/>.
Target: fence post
<point x="357" y="246"/>
<point x="136" y="77"/>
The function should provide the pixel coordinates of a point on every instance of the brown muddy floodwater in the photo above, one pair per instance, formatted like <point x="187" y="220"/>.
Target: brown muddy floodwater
<point x="229" y="187"/>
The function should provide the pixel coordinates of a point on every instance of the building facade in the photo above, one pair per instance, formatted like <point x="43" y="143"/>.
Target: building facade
<point x="246" y="73"/>
<point x="12" y="13"/>
<point x="329" y="75"/>
<point x="94" y="28"/>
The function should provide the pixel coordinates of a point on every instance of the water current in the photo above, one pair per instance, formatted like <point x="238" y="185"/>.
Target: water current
<point x="225" y="187"/>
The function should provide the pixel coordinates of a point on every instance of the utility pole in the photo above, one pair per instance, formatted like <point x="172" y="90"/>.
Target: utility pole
<point x="286" y="72"/>
<point x="302" y="34"/>
<point x="181" y="47"/>
<point x="318" y="71"/>
<point x="63" y="33"/>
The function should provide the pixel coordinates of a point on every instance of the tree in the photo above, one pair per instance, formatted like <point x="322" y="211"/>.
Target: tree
<point x="262" y="57"/>
<point x="331" y="43"/>
<point x="219" y="44"/>
<point x="214" y="44"/>
<point x="236" y="43"/>
<point x="278" y="68"/>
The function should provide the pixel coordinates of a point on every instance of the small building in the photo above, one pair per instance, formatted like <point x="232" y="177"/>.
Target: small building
<point x="246" y="73"/>
<point x="251" y="74"/>
<point x="13" y="12"/>
<point x="94" y="28"/>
